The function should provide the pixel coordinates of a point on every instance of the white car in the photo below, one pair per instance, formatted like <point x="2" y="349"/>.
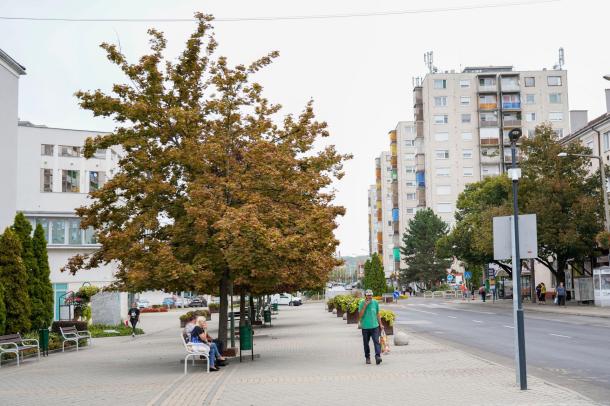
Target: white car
<point x="286" y="299"/>
<point x="143" y="303"/>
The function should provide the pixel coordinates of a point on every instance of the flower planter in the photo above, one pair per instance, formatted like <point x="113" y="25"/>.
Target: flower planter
<point x="213" y="310"/>
<point x="340" y="312"/>
<point x="389" y="330"/>
<point x="352" y="318"/>
<point x="330" y="309"/>
<point x="182" y="323"/>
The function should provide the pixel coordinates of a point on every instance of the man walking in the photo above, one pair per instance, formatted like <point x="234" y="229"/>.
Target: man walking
<point x="134" y="317"/>
<point x="561" y="295"/>
<point x="370" y="321"/>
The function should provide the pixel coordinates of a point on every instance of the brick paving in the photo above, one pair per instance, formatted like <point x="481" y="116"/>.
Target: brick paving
<point x="309" y="357"/>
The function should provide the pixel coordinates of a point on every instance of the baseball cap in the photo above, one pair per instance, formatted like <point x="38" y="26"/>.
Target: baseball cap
<point x="368" y="292"/>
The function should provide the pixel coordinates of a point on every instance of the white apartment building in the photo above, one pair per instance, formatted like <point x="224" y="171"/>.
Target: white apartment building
<point x="464" y="119"/>
<point x="372" y="219"/>
<point x="385" y="230"/>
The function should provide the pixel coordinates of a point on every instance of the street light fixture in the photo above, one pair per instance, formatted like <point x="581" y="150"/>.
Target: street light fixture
<point x="603" y="176"/>
<point x="607" y="77"/>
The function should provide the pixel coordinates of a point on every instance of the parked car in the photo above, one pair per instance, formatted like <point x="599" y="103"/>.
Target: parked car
<point x="142" y="303"/>
<point x="286" y="299"/>
<point x="198" y="302"/>
<point x="168" y="301"/>
<point x="180" y="302"/>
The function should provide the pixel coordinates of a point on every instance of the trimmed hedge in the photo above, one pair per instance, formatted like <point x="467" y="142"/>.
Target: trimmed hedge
<point x="80" y="325"/>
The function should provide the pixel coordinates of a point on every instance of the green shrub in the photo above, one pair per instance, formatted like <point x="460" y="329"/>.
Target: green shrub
<point x="214" y="306"/>
<point x="80" y="325"/>
<point x="331" y="303"/>
<point x="352" y="304"/>
<point x="388" y="316"/>
<point x="195" y="313"/>
<point x="97" y="330"/>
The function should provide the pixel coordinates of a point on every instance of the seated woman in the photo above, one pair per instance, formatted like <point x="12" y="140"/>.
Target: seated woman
<point x="199" y="339"/>
<point x="189" y="326"/>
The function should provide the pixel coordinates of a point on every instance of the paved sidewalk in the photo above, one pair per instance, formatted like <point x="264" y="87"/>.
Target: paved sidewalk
<point x="309" y="357"/>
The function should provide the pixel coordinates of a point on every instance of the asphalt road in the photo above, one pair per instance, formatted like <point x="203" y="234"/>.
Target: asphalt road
<point x="572" y="351"/>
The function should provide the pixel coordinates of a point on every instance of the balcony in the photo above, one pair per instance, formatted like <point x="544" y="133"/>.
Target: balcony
<point x="421" y="162"/>
<point x="511" y="122"/>
<point x="490" y="142"/>
<point x="488" y="87"/>
<point x="488" y="106"/>
<point x="511" y="106"/>
<point x="510" y="84"/>
<point x="508" y="157"/>
<point x="419" y="112"/>
<point x="420" y="178"/>
<point x="419" y="129"/>
<point x="490" y="156"/>
<point x="421" y="197"/>
<point x="489" y="123"/>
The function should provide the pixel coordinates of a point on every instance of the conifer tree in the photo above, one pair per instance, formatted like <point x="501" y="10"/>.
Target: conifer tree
<point x="15" y="281"/>
<point x="377" y="282"/>
<point x="366" y="282"/>
<point x="44" y="288"/>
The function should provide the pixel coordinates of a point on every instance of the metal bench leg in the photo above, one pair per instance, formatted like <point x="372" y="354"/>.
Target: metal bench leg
<point x="63" y="346"/>
<point x="186" y="362"/>
<point x="208" y="363"/>
<point x="17" y="353"/>
<point x="76" y="341"/>
<point x="38" y="353"/>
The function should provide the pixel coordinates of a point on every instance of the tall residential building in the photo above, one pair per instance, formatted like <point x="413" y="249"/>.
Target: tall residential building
<point x="463" y="120"/>
<point x="372" y="219"/>
<point x="383" y="206"/>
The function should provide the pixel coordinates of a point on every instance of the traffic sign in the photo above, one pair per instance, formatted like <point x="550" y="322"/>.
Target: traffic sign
<point x="449" y="278"/>
<point x="467" y="275"/>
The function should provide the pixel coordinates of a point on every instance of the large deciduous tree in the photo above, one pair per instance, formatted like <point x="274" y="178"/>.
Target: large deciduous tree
<point x="14" y="278"/>
<point x="212" y="191"/>
<point x="425" y="265"/>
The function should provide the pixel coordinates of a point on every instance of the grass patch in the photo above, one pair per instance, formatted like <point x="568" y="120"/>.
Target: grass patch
<point x="97" y="330"/>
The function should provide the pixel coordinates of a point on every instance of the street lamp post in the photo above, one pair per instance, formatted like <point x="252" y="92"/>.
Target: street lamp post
<point x="603" y="176"/>
<point x="515" y="174"/>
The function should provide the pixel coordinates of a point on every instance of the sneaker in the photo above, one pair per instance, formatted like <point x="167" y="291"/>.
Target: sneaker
<point x="378" y="360"/>
<point x="368" y="360"/>
<point x="133" y="334"/>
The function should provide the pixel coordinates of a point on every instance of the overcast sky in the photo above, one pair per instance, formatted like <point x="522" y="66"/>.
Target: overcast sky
<point x="358" y="70"/>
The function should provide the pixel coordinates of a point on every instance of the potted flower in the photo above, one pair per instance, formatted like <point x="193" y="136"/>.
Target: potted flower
<point x="387" y="320"/>
<point x="352" y="310"/>
<point x="339" y="304"/>
<point x="330" y="304"/>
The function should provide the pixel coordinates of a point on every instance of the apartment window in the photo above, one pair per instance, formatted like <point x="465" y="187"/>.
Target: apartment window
<point x="466" y="136"/>
<point x="410" y="183"/>
<point x="555" y="98"/>
<point x="58" y="231"/>
<point x="70" y="181"/>
<point x="530" y="81"/>
<point x="590" y="145"/>
<point x="410" y="210"/>
<point x="74" y="232"/>
<point x="45" y="226"/>
<point x="46" y="180"/>
<point x="441" y="119"/>
<point x="46" y="149"/>
<point x="511" y="82"/>
<point x="440" y="101"/>
<point x="410" y="169"/>
<point x="440" y="83"/>
<point x="444" y="208"/>
<point x="556" y="116"/>
<point x="467" y="153"/>
<point x="464" y="83"/>
<point x="530" y="117"/>
<point x="530" y="98"/>
<point x="411" y="196"/>
<point x="96" y="180"/>
<point x="442" y="154"/>
<point x="553" y="80"/>
<point x="466" y="118"/>
<point x="409" y="156"/>
<point x="442" y="171"/>
<point x="464" y="100"/>
<point x="487" y="81"/>
<point x="606" y="137"/>
<point x="69" y="151"/>
<point x="443" y="190"/>
<point x="488" y="117"/>
<point x="409" y="143"/>
<point x="100" y="154"/>
<point x="468" y="171"/>
<point x="441" y="137"/>
<point x="558" y="132"/>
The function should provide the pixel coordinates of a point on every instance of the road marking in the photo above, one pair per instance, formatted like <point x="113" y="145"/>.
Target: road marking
<point x="423" y="311"/>
<point x="452" y="317"/>
<point x="559" y="335"/>
<point x="509" y="326"/>
<point x="477" y="321"/>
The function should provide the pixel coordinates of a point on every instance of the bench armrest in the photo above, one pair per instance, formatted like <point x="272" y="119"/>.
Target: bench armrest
<point x="31" y="340"/>
<point x="13" y="344"/>
<point x="69" y="335"/>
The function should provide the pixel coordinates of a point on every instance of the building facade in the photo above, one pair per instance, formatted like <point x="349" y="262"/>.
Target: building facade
<point x="372" y="219"/>
<point x="465" y="119"/>
<point x="384" y="205"/>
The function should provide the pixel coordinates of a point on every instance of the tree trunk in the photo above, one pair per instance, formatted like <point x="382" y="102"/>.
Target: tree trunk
<point x="242" y="308"/>
<point x="252" y="312"/>
<point x="561" y="271"/>
<point x="223" y="309"/>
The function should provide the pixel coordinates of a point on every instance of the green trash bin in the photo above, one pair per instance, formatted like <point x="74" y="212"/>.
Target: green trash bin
<point x="267" y="316"/>
<point x="274" y="307"/>
<point x="245" y="340"/>
<point x="43" y="340"/>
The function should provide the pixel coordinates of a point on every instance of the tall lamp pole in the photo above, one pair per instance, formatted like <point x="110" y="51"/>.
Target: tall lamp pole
<point x="515" y="174"/>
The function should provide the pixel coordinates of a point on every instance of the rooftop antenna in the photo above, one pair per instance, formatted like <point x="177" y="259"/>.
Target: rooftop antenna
<point x="562" y="61"/>
<point x="429" y="61"/>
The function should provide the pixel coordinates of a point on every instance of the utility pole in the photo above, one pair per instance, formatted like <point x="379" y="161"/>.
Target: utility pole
<point x="515" y="174"/>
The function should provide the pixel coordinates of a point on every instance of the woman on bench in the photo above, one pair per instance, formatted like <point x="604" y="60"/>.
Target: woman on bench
<point x="199" y="338"/>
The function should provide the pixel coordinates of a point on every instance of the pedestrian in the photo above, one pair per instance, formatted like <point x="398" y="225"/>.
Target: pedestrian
<point x="482" y="293"/>
<point x="370" y="322"/>
<point x="472" y="291"/>
<point x="463" y="289"/>
<point x="134" y="317"/>
<point x="542" y="292"/>
<point x="538" y="290"/>
<point x="561" y="295"/>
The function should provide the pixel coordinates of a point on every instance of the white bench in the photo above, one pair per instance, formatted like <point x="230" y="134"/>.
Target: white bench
<point x="192" y="352"/>
<point x="72" y="334"/>
<point x="14" y="344"/>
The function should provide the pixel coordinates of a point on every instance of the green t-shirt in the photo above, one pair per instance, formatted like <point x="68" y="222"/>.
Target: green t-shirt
<point x="369" y="318"/>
